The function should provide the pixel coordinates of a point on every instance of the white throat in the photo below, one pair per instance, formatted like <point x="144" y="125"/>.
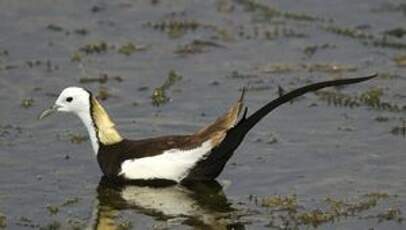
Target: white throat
<point x="88" y="122"/>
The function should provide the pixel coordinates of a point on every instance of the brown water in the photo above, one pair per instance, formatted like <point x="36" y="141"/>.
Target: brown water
<point x="347" y="144"/>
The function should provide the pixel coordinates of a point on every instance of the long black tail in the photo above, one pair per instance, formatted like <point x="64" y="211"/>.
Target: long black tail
<point x="245" y="124"/>
<point x="211" y="167"/>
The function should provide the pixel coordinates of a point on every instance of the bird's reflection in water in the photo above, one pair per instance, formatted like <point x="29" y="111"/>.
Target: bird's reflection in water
<point x="200" y="205"/>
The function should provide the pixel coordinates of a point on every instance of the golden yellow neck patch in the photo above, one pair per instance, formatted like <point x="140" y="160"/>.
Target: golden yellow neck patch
<point x="105" y="128"/>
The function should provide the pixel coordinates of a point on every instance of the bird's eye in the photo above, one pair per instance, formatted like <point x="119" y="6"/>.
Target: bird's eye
<point x="69" y="99"/>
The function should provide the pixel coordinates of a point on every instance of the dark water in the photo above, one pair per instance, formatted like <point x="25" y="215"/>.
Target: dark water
<point x="346" y="145"/>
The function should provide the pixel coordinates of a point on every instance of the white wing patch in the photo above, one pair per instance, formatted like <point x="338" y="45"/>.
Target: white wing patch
<point x="172" y="164"/>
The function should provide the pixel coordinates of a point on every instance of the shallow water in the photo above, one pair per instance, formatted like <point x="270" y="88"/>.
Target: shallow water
<point x="311" y="149"/>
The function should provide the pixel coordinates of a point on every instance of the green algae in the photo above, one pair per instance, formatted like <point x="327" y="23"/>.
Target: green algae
<point x="159" y="96"/>
<point x="76" y="57"/>
<point x="288" y="212"/>
<point x="288" y="203"/>
<point x="94" y="48"/>
<point x="365" y="37"/>
<point x="103" y="93"/>
<point x="55" y="28"/>
<point x="371" y="98"/>
<point x="196" y="47"/>
<point x="125" y="225"/>
<point x="399" y="130"/>
<point x="26" y="222"/>
<point x="100" y="47"/>
<point x="311" y="50"/>
<point x="283" y="32"/>
<point x="267" y="13"/>
<point x="27" y="103"/>
<point x="309" y="67"/>
<point x="176" y="28"/>
<point x="70" y="201"/>
<point x="77" y="138"/>
<point x="52" y="209"/>
<point x="55" y="225"/>
<point x="396" y="32"/>
<point x="129" y="48"/>
<point x="390" y="214"/>
<point x="400" y="60"/>
<point x="102" y="79"/>
<point x="3" y="221"/>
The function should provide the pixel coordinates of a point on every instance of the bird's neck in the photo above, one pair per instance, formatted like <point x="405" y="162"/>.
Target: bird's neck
<point x="100" y="126"/>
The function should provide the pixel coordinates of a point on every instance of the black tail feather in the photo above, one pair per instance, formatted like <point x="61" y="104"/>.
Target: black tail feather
<point x="246" y="124"/>
<point x="211" y="167"/>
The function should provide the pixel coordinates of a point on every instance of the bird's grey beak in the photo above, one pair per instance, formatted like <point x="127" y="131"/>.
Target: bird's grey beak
<point x="48" y="112"/>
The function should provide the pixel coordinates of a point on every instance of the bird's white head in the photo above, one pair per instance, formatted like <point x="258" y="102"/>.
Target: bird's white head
<point x="74" y="99"/>
<point x="81" y="102"/>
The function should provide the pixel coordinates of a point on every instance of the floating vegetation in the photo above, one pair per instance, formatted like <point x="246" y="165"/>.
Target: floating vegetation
<point x="8" y="67"/>
<point x="400" y="60"/>
<point x="278" y="68"/>
<point x="286" y="210"/>
<point x="370" y="98"/>
<point x="76" y="57"/>
<point x="3" y="221"/>
<point x="224" y="6"/>
<point x="397" y="32"/>
<point x="384" y="42"/>
<point x="53" y="210"/>
<point x="391" y="214"/>
<point x="55" y="28"/>
<point x="81" y="31"/>
<point x="33" y="63"/>
<point x="26" y="222"/>
<point x="238" y="75"/>
<point x="280" y="203"/>
<point x="129" y="48"/>
<point x="159" y="94"/>
<point x="176" y="28"/>
<point x="4" y="53"/>
<point x="196" y="47"/>
<point x="70" y="201"/>
<point x="96" y="47"/>
<point x="265" y="13"/>
<point x="399" y="130"/>
<point x="77" y="138"/>
<point x="102" y="79"/>
<point x="125" y="225"/>
<point x="349" y="32"/>
<point x="97" y="8"/>
<point x="103" y="94"/>
<point x="310" y="50"/>
<point x="329" y="68"/>
<point x="27" y="103"/>
<point x="102" y="47"/>
<point x="55" y="225"/>
<point x="391" y="7"/>
<point x="284" y="32"/>
<point x="76" y="224"/>
<point x="47" y="63"/>
<point x="365" y="37"/>
<point x="9" y="133"/>
<point x="73" y="138"/>
<point x="310" y="67"/>
<point x="389" y="76"/>
<point x="270" y="32"/>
